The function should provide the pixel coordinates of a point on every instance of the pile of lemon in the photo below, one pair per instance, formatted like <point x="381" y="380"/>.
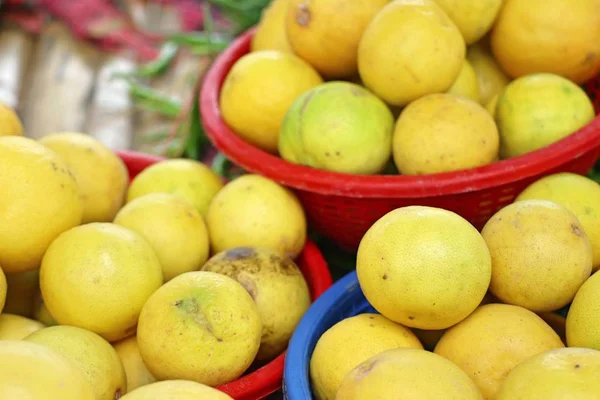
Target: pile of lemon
<point x="469" y="315"/>
<point x="413" y="86"/>
<point x="106" y="286"/>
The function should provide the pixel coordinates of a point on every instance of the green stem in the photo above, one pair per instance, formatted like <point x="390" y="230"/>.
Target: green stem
<point x="153" y="100"/>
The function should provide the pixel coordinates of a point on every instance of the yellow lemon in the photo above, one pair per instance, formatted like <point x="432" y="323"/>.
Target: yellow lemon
<point x="199" y="326"/>
<point x="410" y="49"/>
<point x="466" y="84"/>
<point x="417" y="374"/>
<point x="444" y="132"/>
<point x="423" y="267"/>
<point x="258" y="91"/>
<point x="22" y="290"/>
<point x="474" y="18"/>
<point x="16" y="327"/>
<point x="540" y="254"/>
<point x="326" y="33"/>
<point x="2" y="290"/>
<point x="10" y="124"/>
<point x="350" y="342"/>
<point x="554" y="36"/>
<point x="173" y="227"/>
<point x="97" y="277"/>
<point x="93" y="355"/>
<point x="188" y="179"/>
<point x="493" y="340"/>
<point x="100" y="174"/>
<point x="578" y="194"/>
<point x="265" y="213"/>
<point x="176" y="390"/>
<point x="40" y="200"/>
<point x="270" y="33"/>
<point x="32" y="371"/>
<point x="537" y="110"/>
<point x="583" y="319"/>
<point x="136" y="371"/>
<point x="491" y="79"/>
<point x="491" y="106"/>
<point x="569" y="373"/>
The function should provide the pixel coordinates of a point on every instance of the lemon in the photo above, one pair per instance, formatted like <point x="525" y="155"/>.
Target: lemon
<point x="10" y="124"/>
<point x="545" y="246"/>
<point x="258" y="91"/>
<point x="553" y="36"/>
<point x="188" y="179"/>
<point x="42" y="314"/>
<point x="570" y="373"/>
<point x="493" y="340"/>
<point x="32" y="371"/>
<point x="417" y="374"/>
<point x="266" y="214"/>
<point x="578" y="194"/>
<point x="537" y="110"/>
<point x="22" y="289"/>
<point x="410" y="49"/>
<point x="444" y="132"/>
<point x="40" y="200"/>
<point x="136" y="371"/>
<point x="358" y="139"/>
<point x="16" y="327"/>
<point x="491" y="79"/>
<point x="2" y="290"/>
<point x="199" y="326"/>
<point x="491" y="106"/>
<point x="100" y="174"/>
<point x="326" y="33"/>
<point x="474" y="18"/>
<point x="583" y="326"/>
<point x="350" y="342"/>
<point x="466" y="84"/>
<point x="91" y="354"/>
<point x="97" y="277"/>
<point x="270" y="33"/>
<point x="176" y="390"/>
<point x="275" y="283"/>
<point x="173" y="227"/>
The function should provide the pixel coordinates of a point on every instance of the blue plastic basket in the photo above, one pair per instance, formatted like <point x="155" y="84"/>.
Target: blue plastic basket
<point x="342" y="300"/>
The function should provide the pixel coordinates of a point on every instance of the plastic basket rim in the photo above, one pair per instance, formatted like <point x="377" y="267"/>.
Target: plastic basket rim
<point x="323" y="182"/>
<point x="268" y="378"/>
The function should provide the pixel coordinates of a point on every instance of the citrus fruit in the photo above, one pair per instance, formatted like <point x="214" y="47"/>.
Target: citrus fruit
<point x="266" y="214"/>
<point x="136" y="371"/>
<point x="537" y="110"/>
<point x="276" y="285"/>
<point x="2" y="290"/>
<point x="493" y="340"/>
<point x="174" y="229"/>
<point x="93" y="355"/>
<point x="16" y="327"/>
<point x="578" y="194"/>
<point x="444" y="132"/>
<point x="100" y="174"/>
<point x="466" y="84"/>
<point x="176" y="390"/>
<point x="40" y="200"/>
<point x="491" y="79"/>
<point x="417" y="374"/>
<point x="583" y="319"/>
<point x="10" y="124"/>
<point x="553" y="36"/>
<point x="97" y="277"/>
<point x="474" y="18"/>
<point x="258" y="91"/>
<point x="326" y="33"/>
<point x="32" y="371"/>
<point x="358" y="137"/>
<point x="410" y="49"/>
<point x="569" y="373"/>
<point x="188" y="179"/>
<point x="199" y="326"/>
<point x="270" y="33"/>
<point x="350" y="342"/>
<point x="545" y="246"/>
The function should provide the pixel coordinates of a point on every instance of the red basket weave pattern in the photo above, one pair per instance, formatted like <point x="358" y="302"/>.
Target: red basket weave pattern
<point x="344" y="206"/>
<point x="267" y="379"/>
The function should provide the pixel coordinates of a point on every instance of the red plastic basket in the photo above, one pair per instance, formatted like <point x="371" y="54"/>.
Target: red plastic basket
<point x="267" y="379"/>
<point x="343" y="206"/>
